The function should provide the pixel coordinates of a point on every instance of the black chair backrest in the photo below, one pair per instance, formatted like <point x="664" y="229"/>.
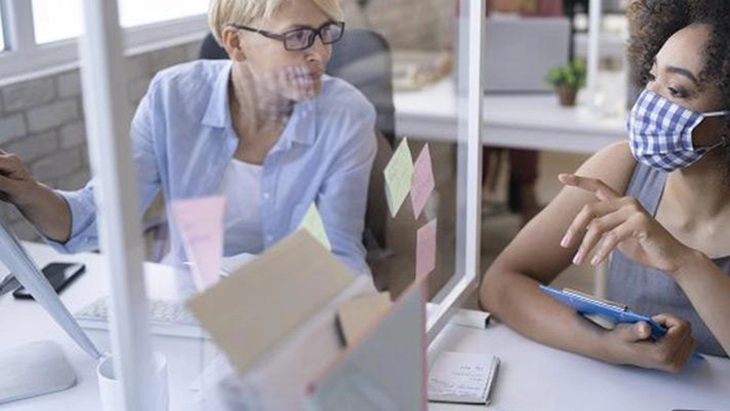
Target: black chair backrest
<point x="362" y="58"/>
<point x="211" y="50"/>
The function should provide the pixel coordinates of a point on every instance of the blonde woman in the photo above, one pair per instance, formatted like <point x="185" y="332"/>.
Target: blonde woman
<point x="267" y="129"/>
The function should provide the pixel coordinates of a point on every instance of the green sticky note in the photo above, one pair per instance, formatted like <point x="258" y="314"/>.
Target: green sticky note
<point x="312" y="222"/>
<point x="398" y="177"/>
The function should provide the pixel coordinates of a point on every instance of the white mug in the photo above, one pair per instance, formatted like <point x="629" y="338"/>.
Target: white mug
<point x="109" y="386"/>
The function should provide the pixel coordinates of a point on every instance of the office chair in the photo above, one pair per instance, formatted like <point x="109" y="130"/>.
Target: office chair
<point x="362" y="58"/>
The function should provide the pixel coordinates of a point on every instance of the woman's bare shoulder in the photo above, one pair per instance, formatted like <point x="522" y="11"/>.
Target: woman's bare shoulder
<point x="614" y="165"/>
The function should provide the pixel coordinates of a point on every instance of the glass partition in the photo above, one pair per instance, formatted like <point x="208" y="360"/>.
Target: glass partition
<point x="2" y="30"/>
<point x="432" y="105"/>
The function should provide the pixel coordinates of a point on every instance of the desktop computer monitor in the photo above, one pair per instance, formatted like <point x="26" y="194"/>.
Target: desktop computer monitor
<point x="519" y="52"/>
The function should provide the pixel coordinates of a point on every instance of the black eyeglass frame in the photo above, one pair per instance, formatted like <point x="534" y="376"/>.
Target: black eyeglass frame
<point x="313" y="34"/>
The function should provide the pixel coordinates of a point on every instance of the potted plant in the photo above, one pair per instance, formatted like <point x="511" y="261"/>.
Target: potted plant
<point x="567" y="80"/>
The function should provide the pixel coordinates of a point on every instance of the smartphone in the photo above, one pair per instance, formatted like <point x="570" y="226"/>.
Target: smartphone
<point x="60" y="275"/>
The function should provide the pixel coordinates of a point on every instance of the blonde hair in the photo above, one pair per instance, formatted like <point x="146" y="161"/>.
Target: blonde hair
<point x="222" y="13"/>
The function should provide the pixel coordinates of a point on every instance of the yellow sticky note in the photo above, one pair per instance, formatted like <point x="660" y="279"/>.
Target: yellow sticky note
<point x="312" y="222"/>
<point x="398" y="177"/>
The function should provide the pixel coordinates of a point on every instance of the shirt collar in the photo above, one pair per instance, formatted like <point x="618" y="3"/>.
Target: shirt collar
<point x="217" y="114"/>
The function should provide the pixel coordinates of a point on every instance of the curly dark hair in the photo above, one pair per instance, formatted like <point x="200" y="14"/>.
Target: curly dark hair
<point x="653" y="22"/>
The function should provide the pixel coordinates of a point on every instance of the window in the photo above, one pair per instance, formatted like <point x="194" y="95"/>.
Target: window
<point x="140" y="12"/>
<point x="44" y="31"/>
<point x="56" y="20"/>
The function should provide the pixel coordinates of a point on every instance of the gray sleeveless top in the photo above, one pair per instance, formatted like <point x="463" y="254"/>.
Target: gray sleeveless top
<point x="649" y="291"/>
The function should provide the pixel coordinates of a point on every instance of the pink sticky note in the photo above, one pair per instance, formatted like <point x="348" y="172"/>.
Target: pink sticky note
<point x="200" y="222"/>
<point x="426" y="249"/>
<point x="423" y="182"/>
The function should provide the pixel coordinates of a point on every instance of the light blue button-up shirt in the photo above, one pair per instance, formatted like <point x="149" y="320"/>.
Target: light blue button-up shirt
<point x="183" y="140"/>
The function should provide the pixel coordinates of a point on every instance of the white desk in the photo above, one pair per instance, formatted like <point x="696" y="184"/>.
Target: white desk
<point x="532" y="377"/>
<point x="535" y="377"/>
<point x="24" y="321"/>
<point x="518" y="121"/>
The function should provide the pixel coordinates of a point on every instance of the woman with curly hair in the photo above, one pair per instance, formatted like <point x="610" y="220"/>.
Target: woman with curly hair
<point x="659" y="204"/>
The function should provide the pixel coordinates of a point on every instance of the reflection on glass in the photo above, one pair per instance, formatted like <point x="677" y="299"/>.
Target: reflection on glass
<point x="411" y="219"/>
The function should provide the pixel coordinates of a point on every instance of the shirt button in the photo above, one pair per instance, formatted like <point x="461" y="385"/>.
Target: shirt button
<point x="269" y="238"/>
<point x="266" y="196"/>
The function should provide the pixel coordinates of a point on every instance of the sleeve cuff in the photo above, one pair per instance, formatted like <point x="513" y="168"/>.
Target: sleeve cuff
<point x="83" y="235"/>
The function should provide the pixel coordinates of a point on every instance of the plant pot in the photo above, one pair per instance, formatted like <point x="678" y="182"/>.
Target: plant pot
<point x="567" y="95"/>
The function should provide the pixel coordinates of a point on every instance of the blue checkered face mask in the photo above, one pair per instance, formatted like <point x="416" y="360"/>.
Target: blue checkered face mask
<point x="661" y="132"/>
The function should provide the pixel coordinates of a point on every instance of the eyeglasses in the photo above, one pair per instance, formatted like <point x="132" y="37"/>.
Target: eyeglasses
<point x="303" y="38"/>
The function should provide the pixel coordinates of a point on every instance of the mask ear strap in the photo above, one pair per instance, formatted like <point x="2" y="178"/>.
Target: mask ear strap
<point x="717" y="114"/>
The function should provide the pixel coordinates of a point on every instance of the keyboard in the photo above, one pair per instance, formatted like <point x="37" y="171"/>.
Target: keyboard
<point x="168" y="318"/>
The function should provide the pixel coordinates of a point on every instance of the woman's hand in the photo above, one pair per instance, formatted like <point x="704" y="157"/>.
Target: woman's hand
<point x="623" y="223"/>
<point x="632" y="345"/>
<point x="17" y="186"/>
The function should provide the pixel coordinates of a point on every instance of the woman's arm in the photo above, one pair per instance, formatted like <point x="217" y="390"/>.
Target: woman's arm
<point x="708" y="288"/>
<point x="510" y="290"/>
<point x="621" y="222"/>
<point x="49" y="214"/>
<point x="40" y="205"/>
<point x="510" y="287"/>
<point x="68" y="218"/>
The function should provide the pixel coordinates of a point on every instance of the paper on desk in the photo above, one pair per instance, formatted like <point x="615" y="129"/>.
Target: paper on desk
<point x="423" y="182"/>
<point x="461" y="377"/>
<point x="19" y="263"/>
<point x="398" y="177"/>
<point x="200" y="221"/>
<point x="313" y="223"/>
<point x="426" y="249"/>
